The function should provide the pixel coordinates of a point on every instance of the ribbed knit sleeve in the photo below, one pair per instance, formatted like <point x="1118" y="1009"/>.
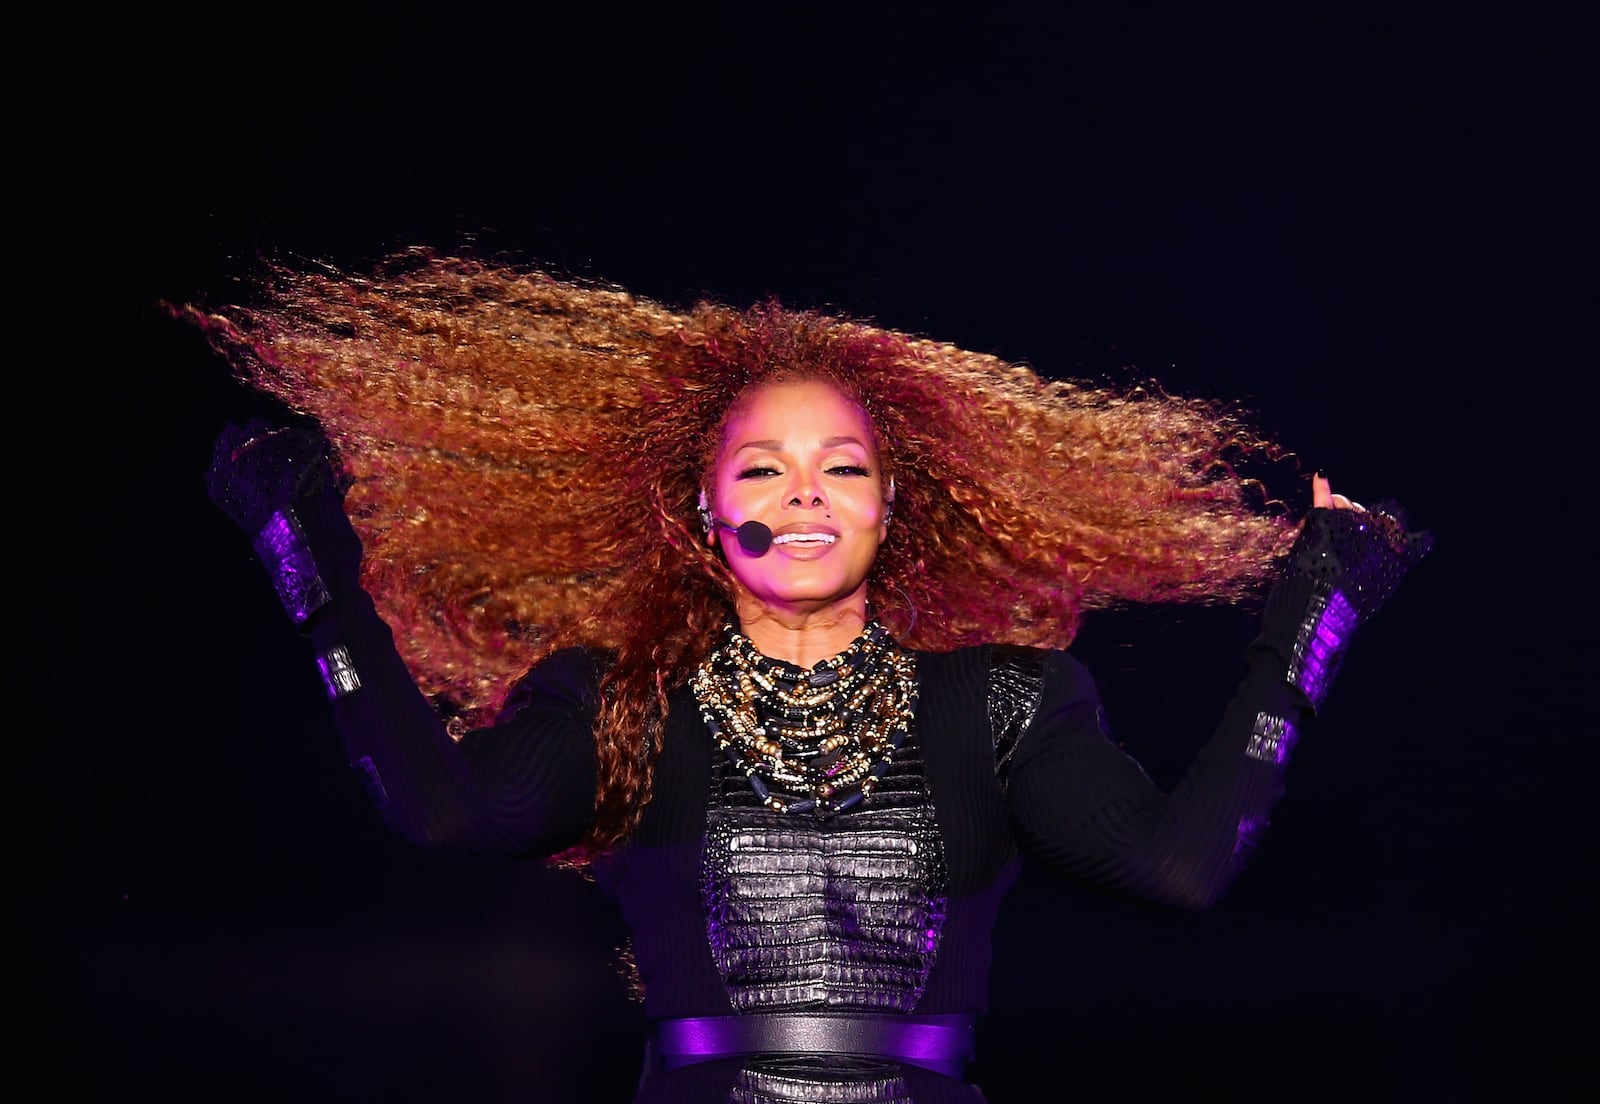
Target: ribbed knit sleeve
<point x="523" y="787"/>
<point x="1086" y="809"/>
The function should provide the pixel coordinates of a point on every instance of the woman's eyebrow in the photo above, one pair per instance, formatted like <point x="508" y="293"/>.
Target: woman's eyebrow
<point x="777" y="446"/>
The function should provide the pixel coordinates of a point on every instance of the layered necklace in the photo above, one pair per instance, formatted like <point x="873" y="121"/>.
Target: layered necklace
<point x="809" y="741"/>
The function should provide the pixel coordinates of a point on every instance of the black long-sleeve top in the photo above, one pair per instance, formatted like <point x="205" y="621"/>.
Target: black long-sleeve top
<point x="1068" y="797"/>
<point x="1073" y="800"/>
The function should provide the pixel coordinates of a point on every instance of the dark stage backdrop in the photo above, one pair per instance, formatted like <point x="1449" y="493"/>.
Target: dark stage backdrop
<point x="1359" y="224"/>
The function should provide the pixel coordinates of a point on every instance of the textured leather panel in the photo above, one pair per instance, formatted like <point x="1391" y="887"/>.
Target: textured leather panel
<point x="793" y="1082"/>
<point x="843" y="912"/>
<point x="1016" y="683"/>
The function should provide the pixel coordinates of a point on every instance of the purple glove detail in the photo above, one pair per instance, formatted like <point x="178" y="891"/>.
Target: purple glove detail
<point x="1348" y="564"/>
<point x="278" y="484"/>
<point x="1363" y="554"/>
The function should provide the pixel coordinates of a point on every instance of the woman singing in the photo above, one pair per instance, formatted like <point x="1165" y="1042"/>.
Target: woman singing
<point x="761" y="617"/>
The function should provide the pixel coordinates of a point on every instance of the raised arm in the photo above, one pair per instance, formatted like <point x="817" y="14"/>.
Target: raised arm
<point x="1086" y="809"/>
<point x="523" y="786"/>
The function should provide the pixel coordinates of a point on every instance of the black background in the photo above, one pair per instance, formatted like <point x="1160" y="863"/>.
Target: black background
<point x="1363" y="225"/>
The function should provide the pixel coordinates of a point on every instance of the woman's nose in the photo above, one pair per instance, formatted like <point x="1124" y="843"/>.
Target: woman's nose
<point x="806" y="491"/>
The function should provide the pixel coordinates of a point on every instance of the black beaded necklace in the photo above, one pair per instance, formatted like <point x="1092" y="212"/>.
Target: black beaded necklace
<point x="809" y="741"/>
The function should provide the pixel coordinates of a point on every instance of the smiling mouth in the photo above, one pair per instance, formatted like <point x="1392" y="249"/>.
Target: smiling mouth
<point x="804" y="538"/>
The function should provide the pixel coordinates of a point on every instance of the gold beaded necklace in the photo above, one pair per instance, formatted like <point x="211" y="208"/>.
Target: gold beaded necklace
<point x="809" y="741"/>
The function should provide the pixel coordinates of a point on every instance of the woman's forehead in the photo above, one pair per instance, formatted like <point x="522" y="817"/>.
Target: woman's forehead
<point x="798" y="406"/>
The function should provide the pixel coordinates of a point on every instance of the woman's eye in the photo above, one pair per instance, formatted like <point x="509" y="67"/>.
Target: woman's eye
<point x="757" y="472"/>
<point x="848" y="469"/>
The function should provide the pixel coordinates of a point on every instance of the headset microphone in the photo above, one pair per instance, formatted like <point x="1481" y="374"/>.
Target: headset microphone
<point x="754" y="537"/>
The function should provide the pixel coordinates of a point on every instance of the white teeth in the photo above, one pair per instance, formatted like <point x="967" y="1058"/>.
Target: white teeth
<point x="806" y="538"/>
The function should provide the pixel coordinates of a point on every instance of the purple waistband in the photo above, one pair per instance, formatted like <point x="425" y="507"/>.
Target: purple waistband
<point x="941" y="1043"/>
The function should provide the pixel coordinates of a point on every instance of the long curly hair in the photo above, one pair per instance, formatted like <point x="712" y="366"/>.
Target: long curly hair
<point x="525" y="455"/>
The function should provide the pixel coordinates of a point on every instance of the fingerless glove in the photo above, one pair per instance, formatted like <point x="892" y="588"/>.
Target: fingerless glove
<point x="279" y="484"/>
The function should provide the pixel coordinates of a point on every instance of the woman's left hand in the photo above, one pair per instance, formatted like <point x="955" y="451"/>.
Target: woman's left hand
<point x="1322" y="496"/>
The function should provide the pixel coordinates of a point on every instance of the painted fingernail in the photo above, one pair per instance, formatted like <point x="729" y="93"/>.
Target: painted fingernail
<point x="1321" y="474"/>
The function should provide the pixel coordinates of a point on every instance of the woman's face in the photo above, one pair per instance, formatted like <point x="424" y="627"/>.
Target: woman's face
<point x="799" y="458"/>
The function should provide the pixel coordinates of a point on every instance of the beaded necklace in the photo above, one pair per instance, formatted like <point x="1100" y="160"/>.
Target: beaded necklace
<point x="809" y="741"/>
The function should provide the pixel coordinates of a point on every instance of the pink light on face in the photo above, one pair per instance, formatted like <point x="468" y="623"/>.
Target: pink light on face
<point x="801" y="459"/>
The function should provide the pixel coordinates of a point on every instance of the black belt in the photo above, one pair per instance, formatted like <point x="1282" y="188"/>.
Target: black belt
<point x="941" y="1043"/>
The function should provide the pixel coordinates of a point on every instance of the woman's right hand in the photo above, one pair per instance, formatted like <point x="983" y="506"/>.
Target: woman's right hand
<point x="258" y="469"/>
<point x="280" y="485"/>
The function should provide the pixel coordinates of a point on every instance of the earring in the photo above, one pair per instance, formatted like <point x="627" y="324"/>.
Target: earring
<point x="888" y="502"/>
<point x="705" y="512"/>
